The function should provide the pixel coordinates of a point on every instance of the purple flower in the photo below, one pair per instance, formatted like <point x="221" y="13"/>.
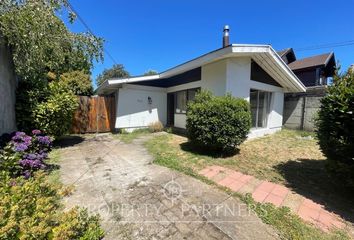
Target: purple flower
<point x="20" y="147"/>
<point x="18" y="136"/>
<point x="35" y="156"/>
<point x="27" y="139"/>
<point x="32" y="164"/>
<point x="20" y="142"/>
<point x="27" y="174"/>
<point x="44" y="140"/>
<point x="36" y="132"/>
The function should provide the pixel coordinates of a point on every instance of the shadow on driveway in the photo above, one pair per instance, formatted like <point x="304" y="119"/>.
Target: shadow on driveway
<point x="68" y="141"/>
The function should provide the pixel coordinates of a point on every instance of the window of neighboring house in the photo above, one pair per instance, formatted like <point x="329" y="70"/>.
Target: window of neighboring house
<point x="260" y="108"/>
<point x="182" y="99"/>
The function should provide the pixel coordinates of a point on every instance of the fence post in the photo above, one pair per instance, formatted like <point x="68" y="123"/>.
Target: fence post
<point x="303" y="113"/>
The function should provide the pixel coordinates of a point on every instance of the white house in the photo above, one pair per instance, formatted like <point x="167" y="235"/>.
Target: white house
<point x="253" y="72"/>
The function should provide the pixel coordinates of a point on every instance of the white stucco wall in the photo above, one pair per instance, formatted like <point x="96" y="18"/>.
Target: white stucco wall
<point x="133" y="109"/>
<point x="238" y="75"/>
<point x="214" y="77"/>
<point x="235" y="74"/>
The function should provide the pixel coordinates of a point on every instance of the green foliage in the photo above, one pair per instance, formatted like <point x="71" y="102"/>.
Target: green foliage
<point x="28" y="95"/>
<point x="41" y="43"/>
<point x="77" y="224"/>
<point x="78" y="82"/>
<point x="219" y="123"/>
<point x="335" y="127"/>
<point x="9" y="161"/>
<point x="150" y="72"/>
<point x="54" y="115"/>
<point x="25" y="207"/>
<point x="29" y="209"/>
<point x="116" y="71"/>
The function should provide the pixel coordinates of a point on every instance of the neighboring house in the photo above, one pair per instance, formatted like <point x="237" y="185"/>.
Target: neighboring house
<point x="313" y="70"/>
<point x="7" y="90"/>
<point x="252" y="72"/>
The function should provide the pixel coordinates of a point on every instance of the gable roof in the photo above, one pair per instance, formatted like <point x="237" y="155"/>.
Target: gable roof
<point x="314" y="61"/>
<point x="264" y="55"/>
<point x="282" y="52"/>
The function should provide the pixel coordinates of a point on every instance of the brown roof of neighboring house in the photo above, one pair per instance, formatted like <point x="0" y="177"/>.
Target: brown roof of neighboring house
<point x="314" y="61"/>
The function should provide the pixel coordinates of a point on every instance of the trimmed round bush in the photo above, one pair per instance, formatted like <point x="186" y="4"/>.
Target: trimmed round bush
<point x="218" y="123"/>
<point x="335" y="127"/>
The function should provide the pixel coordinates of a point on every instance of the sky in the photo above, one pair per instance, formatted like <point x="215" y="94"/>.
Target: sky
<point x="159" y="34"/>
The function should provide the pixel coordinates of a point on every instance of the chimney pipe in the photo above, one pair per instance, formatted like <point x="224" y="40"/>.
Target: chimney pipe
<point x="225" y="38"/>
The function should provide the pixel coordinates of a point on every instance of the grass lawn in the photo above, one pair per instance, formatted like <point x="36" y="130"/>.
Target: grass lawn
<point x="291" y="158"/>
<point x="129" y="137"/>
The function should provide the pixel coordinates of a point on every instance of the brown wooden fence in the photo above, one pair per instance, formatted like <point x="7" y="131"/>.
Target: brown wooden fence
<point x="94" y="114"/>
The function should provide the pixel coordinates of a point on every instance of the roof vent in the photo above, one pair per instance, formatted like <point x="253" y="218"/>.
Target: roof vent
<point x="226" y="38"/>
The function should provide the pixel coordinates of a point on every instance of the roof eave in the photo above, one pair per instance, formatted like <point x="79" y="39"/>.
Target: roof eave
<point x="232" y="50"/>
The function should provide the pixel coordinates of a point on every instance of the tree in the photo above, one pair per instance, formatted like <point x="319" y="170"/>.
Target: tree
<point x="116" y="71"/>
<point x="335" y="127"/>
<point x="41" y="43"/>
<point x="78" y="82"/>
<point x="150" y="72"/>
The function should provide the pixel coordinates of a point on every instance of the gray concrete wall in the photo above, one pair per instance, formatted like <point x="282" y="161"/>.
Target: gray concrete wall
<point x="300" y="110"/>
<point x="7" y="90"/>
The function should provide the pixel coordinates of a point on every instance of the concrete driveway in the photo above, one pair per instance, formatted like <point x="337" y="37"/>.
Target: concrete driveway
<point x="139" y="200"/>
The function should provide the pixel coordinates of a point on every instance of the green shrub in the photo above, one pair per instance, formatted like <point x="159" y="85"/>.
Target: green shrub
<point x="220" y="123"/>
<point x="30" y="209"/>
<point x="28" y="95"/>
<point x="78" y="82"/>
<point x="77" y="224"/>
<point x="335" y="127"/>
<point x="54" y="116"/>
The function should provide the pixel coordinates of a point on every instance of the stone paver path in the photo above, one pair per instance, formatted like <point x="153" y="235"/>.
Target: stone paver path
<point x="139" y="200"/>
<point x="267" y="192"/>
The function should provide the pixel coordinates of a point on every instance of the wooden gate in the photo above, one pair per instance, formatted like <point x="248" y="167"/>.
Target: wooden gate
<point x="94" y="114"/>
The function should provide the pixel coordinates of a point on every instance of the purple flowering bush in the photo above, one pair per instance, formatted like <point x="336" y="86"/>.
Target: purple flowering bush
<point x="25" y="154"/>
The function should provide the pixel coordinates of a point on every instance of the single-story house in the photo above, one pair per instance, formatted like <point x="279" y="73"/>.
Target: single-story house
<point x="253" y="72"/>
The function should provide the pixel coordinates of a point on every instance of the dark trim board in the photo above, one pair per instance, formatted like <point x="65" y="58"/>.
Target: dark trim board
<point x="183" y="78"/>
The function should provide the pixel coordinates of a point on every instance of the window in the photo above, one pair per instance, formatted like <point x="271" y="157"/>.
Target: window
<point x="260" y="108"/>
<point x="181" y="102"/>
<point x="182" y="98"/>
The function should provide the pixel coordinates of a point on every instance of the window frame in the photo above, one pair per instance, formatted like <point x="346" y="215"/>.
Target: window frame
<point x="268" y="108"/>
<point x="187" y="100"/>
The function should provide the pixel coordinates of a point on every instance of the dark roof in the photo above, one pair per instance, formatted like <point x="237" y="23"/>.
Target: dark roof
<point x="314" y="61"/>
<point x="287" y="55"/>
<point x="283" y="52"/>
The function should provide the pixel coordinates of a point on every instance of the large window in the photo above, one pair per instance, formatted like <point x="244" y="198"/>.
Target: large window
<point x="260" y="108"/>
<point x="182" y="98"/>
